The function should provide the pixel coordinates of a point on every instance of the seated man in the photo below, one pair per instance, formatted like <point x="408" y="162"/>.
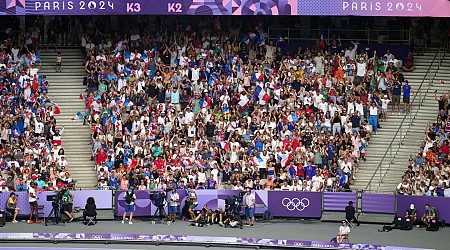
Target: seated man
<point x="430" y="214"/>
<point x="411" y="213"/>
<point x="344" y="232"/>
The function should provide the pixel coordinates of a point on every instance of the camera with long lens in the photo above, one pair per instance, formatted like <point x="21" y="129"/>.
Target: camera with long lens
<point x="56" y="198"/>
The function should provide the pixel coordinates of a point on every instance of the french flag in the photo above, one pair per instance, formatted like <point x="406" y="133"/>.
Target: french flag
<point x="56" y="111"/>
<point x="292" y="118"/>
<point x="224" y="145"/>
<point x="261" y="94"/>
<point x="257" y="160"/>
<point x="117" y="56"/>
<point x="118" y="101"/>
<point x="246" y="40"/>
<point x="15" y="133"/>
<point x="284" y="159"/>
<point x="252" y="36"/>
<point x="243" y="102"/>
<point x="186" y="160"/>
<point x="261" y="42"/>
<point x="98" y="129"/>
<point x="78" y="116"/>
<point x="28" y="113"/>
<point x="128" y="103"/>
<point x="32" y="99"/>
<point x="280" y="39"/>
<point x="47" y="149"/>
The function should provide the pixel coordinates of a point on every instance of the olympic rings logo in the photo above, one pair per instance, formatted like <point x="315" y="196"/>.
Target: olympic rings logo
<point x="295" y="204"/>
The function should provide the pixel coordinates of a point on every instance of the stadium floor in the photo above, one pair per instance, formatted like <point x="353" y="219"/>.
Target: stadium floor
<point x="278" y="229"/>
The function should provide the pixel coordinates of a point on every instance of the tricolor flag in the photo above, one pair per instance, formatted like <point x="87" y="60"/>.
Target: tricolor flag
<point x="246" y="40"/>
<point x="117" y="56"/>
<point x="128" y="103"/>
<point x="47" y="149"/>
<point x="56" y="111"/>
<point x="257" y="160"/>
<point x="252" y="36"/>
<point x="28" y="113"/>
<point x="118" y="101"/>
<point x="284" y="159"/>
<point x="15" y="133"/>
<point x="98" y="129"/>
<point x="261" y="94"/>
<point x="243" y="101"/>
<point x="280" y="39"/>
<point x="224" y="145"/>
<point x="32" y="98"/>
<point x="261" y="42"/>
<point x="203" y="103"/>
<point x="78" y="116"/>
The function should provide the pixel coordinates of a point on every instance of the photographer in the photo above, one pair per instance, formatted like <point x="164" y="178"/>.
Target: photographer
<point x="218" y="216"/>
<point x="205" y="216"/>
<point x="249" y="201"/>
<point x="67" y="201"/>
<point x="129" y="197"/>
<point x="192" y="197"/>
<point x="11" y="206"/>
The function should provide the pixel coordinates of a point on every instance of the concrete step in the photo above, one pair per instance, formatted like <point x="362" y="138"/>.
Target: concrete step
<point x="65" y="88"/>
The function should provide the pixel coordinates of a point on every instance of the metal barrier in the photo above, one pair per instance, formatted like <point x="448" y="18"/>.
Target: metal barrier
<point x="397" y="139"/>
<point x="370" y="36"/>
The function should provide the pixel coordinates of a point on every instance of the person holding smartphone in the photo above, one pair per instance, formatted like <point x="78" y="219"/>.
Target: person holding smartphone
<point x="11" y="206"/>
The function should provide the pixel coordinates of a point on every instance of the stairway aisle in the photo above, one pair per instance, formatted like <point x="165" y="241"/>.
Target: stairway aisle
<point x="65" y="89"/>
<point x="411" y="140"/>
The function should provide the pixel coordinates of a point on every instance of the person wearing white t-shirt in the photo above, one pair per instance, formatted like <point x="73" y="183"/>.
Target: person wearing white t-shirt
<point x="373" y="116"/>
<point x="32" y="199"/>
<point x="384" y="106"/>
<point x="344" y="231"/>
<point x="173" y="205"/>
<point x="317" y="182"/>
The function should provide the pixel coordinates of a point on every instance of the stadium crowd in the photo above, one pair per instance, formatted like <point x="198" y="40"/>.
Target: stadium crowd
<point x="206" y="108"/>
<point x="31" y="149"/>
<point x="429" y="170"/>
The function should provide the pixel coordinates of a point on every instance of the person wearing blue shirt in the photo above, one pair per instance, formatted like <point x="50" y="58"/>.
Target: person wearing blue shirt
<point x="109" y="163"/>
<point x="310" y="170"/>
<point x="330" y="150"/>
<point x="175" y="98"/>
<point x="406" y="97"/>
<point x="259" y="145"/>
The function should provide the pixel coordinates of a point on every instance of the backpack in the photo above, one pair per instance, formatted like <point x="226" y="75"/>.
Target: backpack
<point x="129" y="197"/>
<point x="267" y="215"/>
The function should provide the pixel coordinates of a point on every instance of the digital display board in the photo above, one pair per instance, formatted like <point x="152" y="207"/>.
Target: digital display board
<point x="412" y="8"/>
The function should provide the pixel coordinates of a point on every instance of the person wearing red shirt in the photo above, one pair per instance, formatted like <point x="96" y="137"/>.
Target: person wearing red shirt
<point x="159" y="164"/>
<point x="286" y="143"/>
<point x="300" y="171"/>
<point x="101" y="157"/>
<point x="308" y="110"/>
<point x="444" y="149"/>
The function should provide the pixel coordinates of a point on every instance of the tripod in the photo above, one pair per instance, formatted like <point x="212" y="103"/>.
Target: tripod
<point x="55" y="214"/>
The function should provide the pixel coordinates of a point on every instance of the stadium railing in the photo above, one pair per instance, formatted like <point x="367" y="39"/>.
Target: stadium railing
<point x="406" y="123"/>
